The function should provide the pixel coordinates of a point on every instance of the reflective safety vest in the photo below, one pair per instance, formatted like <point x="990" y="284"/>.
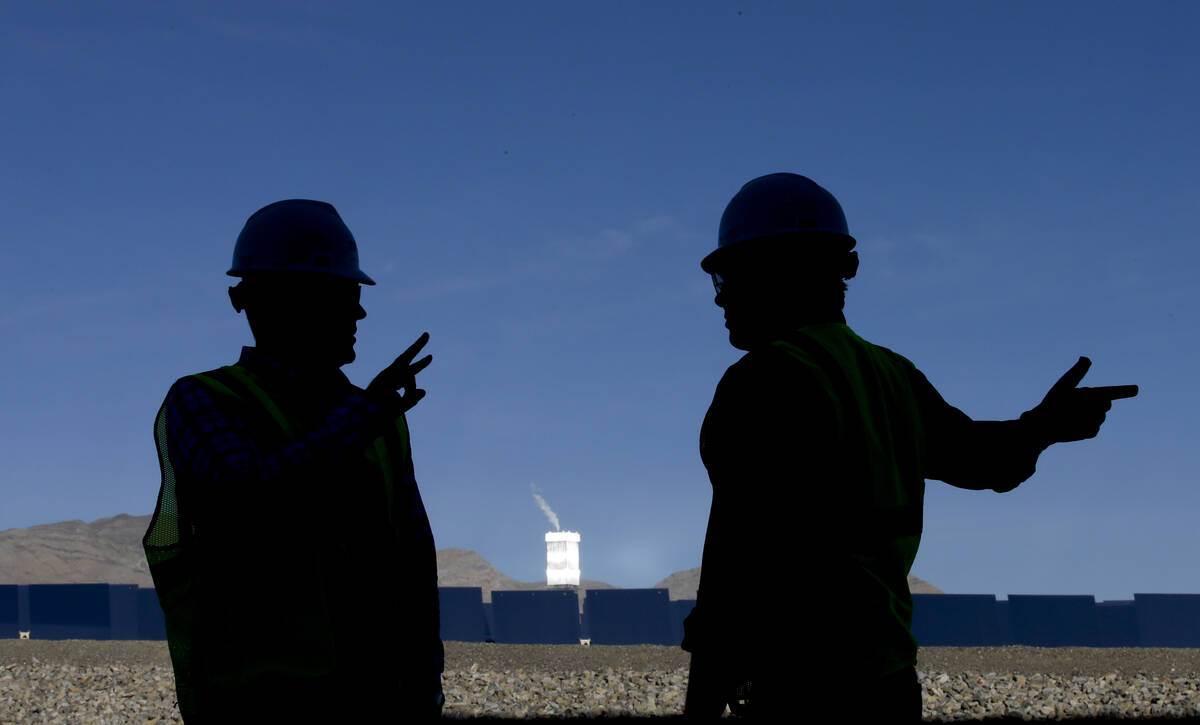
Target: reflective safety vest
<point x="881" y="444"/>
<point x="258" y="595"/>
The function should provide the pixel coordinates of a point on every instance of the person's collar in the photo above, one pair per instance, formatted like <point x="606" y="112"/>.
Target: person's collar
<point x="832" y="318"/>
<point x="264" y="364"/>
<point x="260" y="362"/>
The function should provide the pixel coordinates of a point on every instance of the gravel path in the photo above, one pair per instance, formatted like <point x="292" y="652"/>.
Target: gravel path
<point x="117" y="682"/>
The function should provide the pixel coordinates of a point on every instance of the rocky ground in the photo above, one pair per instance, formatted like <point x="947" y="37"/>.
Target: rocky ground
<point x="119" y="682"/>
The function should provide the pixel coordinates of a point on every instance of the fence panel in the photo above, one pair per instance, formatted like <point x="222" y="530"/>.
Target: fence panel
<point x="1117" y="624"/>
<point x="628" y="616"/>
<point x="1168" y="620"/>
<point x="680" y="609"/>
<point x="123" y="611"/>
<point x="461" y="610"/>
<point x="151" y="624"/>
<point x="8" y="611"/>
<point x="1039" y="620"/>
<point x="535" y="617"/>
<point x="957" y="620"/>
<point x="69" y="611"/>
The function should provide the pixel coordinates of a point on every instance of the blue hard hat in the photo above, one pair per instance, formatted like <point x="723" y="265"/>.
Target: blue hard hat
<point x="777" y="205"/>
<point x="297" y="235"/>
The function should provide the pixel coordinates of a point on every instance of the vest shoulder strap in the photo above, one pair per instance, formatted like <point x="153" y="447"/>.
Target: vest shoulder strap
<point x="238" y="382"/>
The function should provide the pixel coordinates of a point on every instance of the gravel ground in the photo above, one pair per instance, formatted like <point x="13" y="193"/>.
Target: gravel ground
<point x="1069" y="661"/>
<point x="116" y="682"/>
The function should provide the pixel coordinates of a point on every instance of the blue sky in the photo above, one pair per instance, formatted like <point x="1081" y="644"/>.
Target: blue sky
<point x="535" y="184"/>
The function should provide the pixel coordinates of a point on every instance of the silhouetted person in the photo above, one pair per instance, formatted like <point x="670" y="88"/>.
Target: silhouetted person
<point x="818" y="445"/>
<point x="289" y="546"/>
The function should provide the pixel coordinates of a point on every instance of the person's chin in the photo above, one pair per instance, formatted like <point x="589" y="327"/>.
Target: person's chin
<point x="740" y="340"/>
<point x="748" y="337"/>
<point x="337" y="355"/>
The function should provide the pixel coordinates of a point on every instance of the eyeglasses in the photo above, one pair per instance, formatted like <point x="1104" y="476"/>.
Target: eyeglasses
<point x="718" y="282"/>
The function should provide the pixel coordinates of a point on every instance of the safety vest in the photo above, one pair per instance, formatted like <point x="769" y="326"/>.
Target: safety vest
<point x="881" y="441"/>
<point x="228" y="622"/>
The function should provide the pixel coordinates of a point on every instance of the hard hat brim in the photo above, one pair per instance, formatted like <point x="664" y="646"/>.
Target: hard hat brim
<point x="766" y="246"/>
<point x="356" y="275"/>
<point x="712" y="262"/>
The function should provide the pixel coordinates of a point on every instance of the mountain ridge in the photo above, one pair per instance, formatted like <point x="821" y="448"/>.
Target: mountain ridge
<point x="109" y="550"/>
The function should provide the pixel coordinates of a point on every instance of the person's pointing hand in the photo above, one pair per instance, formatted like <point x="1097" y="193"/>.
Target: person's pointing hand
<point x="402" y="375"/>
<point x="1072" y="413"/>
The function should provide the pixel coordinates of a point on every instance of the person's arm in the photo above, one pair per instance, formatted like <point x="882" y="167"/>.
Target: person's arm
<point x="1000" y="455"/>
<point x="209" y="441"/>
<point x="979" y="454"/>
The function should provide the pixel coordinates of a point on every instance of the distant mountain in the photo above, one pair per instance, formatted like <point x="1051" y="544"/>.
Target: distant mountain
<point x="920" y="586"/>
<point x="110" y="550"/>
<point x="465" y="568"/>
<point x="105" y="550"/>
<point x="683" y="584"/>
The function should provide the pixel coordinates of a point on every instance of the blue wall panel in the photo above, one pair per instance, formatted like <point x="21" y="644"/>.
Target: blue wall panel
<point x="23" y="607"/>
<point x="1168" y="620"/>
<point x="1117" y="624"/>
<point x="958" y="620"/>
<point x="69" y="611"/>
<point x="680" y="609"/>
<point x="489" y="621"/>
<point x="628" y="616"/>
<point x="645" y="616"/>
<point x="461" y="610"/>
<point x="123" y="611"/>
<point x="535" y="617"/>
<point x="1053" y="621"/>
<point x="151" y="624"/>
<point x="1005" y="621"/>
<point x="8" y="611"/>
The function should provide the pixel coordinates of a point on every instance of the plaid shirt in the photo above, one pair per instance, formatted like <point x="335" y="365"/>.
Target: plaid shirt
<point x="209" y="439"/>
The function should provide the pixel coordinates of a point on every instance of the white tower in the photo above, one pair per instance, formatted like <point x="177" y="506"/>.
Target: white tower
<point x="562" y="559"/>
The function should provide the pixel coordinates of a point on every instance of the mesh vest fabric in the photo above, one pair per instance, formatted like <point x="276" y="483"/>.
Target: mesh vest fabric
<point x="282" y="575"/>
<point x="881" y="444"/>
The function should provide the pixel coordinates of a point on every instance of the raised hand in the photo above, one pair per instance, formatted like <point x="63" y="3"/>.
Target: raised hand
<point x="1071" y="413"/>
<point x="402" y="375"/>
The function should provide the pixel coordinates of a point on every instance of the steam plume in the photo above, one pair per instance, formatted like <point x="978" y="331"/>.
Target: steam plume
<point x="545" y="507"/>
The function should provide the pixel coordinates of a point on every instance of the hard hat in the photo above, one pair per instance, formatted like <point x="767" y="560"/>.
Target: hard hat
<point x="297" y="235"/>
<point x="775" y="205"/>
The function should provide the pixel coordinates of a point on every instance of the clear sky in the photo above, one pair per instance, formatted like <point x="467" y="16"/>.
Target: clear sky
<point x="535" y="184"/>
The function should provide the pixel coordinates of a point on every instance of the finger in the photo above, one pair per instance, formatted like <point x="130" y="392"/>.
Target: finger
<point x="1116" y="392"/>
<point x="420" y="365"/>
<point x="1092" y="403"/>
<point x="411" y="398"/>
<point x="413" y="394"/>
<point x="413" y="349"/>
<point x="1073" y="376"/>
